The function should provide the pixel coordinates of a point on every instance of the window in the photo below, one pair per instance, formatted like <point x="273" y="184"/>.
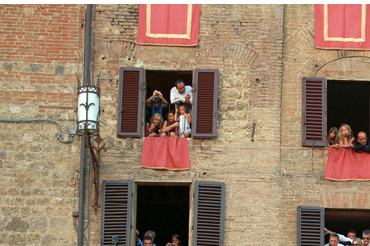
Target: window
<point x="312" y="220"/>
<point x="152" y="200"/>
<point x="131" y="101"/>
<point x="165" y="210"/>
<point x="332" y="103"/>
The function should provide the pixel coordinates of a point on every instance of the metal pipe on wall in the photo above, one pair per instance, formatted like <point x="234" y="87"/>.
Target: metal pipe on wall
<point x="86" y="81"/>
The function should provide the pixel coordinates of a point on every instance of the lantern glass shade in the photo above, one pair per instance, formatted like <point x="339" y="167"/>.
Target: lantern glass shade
<point x="88" y="110"/>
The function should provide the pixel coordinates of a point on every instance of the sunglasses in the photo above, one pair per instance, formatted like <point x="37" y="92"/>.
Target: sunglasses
<point x="366" y="238"/>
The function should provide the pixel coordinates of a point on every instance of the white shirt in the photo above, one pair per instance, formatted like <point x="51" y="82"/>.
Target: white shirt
<point x="174" y="93"/>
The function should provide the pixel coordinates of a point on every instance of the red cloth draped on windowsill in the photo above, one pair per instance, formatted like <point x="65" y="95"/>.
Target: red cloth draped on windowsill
<point x="171" y="153"/>
<point x="346" y="164"/>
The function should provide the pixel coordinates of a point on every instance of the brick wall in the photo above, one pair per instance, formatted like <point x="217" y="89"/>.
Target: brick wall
<point x="41" y="50"/>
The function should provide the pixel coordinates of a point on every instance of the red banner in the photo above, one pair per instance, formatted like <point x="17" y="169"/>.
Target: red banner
<point x="169" y="24"/>
<point x="346" y="164"/>
<point x="171" y="153"/>
<point x="342" y="26"/>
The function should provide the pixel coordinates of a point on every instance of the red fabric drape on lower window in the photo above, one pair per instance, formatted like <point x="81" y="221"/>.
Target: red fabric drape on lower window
<point x="346" y="164"/>
<point x="165" y="153"/>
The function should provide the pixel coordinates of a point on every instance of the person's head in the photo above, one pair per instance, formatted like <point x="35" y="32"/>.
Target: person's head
<point x="366" y="237"/>
<point x="333" y="132"/>
<point x="156" y="101"/>
<point x="157" y="120"/>
<point x="150" y="233"/>
<point x="362" y="138"/>
<point x="171" y="116"/>
<point x="180" y="86"/>
<point x="176" y="240"/>
<point x="147" y="241"/>
<point x="333" y="239"/>
<point x="344" y="131"/>
<point x="351" y="234"/>
<point x="183" y="109"/>
<point x="357" y="242"/>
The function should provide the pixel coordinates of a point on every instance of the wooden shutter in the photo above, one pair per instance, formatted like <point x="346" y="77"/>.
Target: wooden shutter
<point x="205" y="103"/>
<point x="116" y="212"/>
<point x="130" y="102"/>
<point x="209" y="214"/>
<point x="310" y="226"/>
<point x="314" y="112"/>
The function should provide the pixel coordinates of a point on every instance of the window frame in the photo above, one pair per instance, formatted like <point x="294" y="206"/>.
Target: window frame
<point x="205" y="86"/>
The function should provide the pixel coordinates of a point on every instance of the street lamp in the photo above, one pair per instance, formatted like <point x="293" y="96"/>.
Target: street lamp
<point x="88" y="110"/>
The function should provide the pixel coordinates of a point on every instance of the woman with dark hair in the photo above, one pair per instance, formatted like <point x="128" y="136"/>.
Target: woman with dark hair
<point x="176" y="241"/>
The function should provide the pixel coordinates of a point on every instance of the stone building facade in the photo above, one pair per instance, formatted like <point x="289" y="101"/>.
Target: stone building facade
<point x="261" y="52"/>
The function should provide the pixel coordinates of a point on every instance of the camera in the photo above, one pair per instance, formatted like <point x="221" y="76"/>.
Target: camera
<point x="155" y="99"/>
<point x="157" y="92"/>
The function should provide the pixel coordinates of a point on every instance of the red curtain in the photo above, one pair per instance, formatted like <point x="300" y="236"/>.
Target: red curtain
<point x="342" y="26"/>
<point x="165" y="153"/>
<point x="169" y="24"/>
<point x="346" y="164"/>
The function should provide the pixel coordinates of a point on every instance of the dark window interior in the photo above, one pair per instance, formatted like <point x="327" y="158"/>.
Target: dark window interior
<point x="165" y="210"/>
<point x="342" y="220"/>
<point x="348" y="102"/>
<point x="164" y="81"/>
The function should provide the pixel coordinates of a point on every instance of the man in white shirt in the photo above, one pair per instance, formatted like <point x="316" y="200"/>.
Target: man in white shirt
<point x="181" y="93"/>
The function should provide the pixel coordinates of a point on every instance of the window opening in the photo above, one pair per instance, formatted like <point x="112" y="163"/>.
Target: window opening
<point x="165" y="210"/>
<point x="163" y="81"/>
<point x="342" y="220"/>
<point x="348" y="102"/>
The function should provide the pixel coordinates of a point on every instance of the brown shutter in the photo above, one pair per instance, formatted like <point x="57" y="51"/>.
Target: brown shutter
<point x="310" y="226"/>
<point x="130" y="102"/>
<point x="116" y="212"/>
<point x="209" y="214"/>
<point x="314" y="112"/>
<point x="205" y="103"/>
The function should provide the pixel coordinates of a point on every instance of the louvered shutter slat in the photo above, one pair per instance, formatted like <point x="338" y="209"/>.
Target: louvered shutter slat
<point x="130" y="102"/>
<point x="209" y="213"/>
<point x="205" y="103"/>
<point x="310" y="226"/>
<point x="116" y="212"/>
<point x="314" y="112"/>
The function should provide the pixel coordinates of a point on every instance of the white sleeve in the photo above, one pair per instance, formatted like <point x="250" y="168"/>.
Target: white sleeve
<point x="173" y="94"/>
<point x="343" y="238"/>
<point x="190" y="93"/>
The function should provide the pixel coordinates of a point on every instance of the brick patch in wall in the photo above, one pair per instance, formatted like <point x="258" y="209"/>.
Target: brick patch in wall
<point x="232" y="50"/>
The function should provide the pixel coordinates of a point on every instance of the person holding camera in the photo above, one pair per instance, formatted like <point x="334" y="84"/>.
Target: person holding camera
<point x="176" y="241"/>
<point x="155" y="104"/>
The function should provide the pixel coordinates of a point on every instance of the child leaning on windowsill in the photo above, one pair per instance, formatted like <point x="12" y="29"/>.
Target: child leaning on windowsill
<point x="332" y="141"/>
<point x="345" y="136"/>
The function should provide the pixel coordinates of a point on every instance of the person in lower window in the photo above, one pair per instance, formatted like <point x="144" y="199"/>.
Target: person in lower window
<point x="153" y="128"/>
<point x="184" y="119"/>
<point x="345" y="136"/>
<point x="332" y="141"/>
<point x="345" y="240"/>
<point x="357" y="242"/>
<point x="170" y="126"/>
<point x="175" y="241"/>
<point x="148" y="233"/>
<point x="333" y="240"/>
